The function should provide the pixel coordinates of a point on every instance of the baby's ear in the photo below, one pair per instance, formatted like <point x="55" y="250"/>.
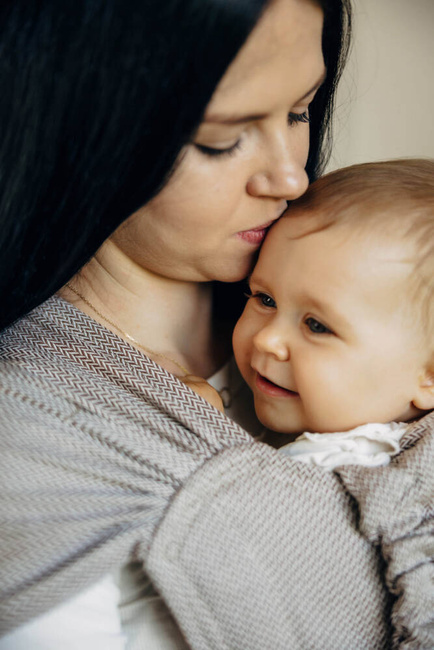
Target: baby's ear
<point x="424" y="398"/>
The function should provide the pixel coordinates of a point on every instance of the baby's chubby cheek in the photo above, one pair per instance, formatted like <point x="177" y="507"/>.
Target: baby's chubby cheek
<point x="242" y="342"/>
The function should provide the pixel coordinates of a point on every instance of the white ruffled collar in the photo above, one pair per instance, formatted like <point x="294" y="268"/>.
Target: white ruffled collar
<point x="371" y="445"/>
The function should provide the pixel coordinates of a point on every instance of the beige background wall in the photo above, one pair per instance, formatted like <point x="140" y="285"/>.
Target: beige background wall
<point x="386" y="100"/>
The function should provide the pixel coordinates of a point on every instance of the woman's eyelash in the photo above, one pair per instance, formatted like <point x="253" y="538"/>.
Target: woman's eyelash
<point x="213" y="152"/>
<point x="296" y="118"/>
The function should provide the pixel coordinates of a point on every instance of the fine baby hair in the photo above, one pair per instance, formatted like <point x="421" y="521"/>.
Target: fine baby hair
<point x="383" y="199"/>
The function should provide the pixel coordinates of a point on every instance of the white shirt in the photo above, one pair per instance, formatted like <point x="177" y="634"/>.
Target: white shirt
<point x="371" y="445"/>
<point x="88" y="622"/>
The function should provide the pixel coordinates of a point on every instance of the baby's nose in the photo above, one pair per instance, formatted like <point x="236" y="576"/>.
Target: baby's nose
<point x="270" y="340"/>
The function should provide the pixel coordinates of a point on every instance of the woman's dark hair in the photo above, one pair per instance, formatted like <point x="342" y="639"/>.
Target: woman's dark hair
<point x="97" y="99"/>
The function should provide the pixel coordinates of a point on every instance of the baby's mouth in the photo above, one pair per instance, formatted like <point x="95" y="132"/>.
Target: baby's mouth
<point x="270" y="388"/>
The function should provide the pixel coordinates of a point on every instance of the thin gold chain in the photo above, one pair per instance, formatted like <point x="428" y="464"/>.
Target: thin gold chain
<point x="125" y="334"/>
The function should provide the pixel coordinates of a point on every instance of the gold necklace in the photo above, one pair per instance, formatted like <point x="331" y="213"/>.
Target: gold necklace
<point x="125" y="334"/>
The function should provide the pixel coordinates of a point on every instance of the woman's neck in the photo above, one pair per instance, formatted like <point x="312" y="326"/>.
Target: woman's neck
<point x="167" y="316"/>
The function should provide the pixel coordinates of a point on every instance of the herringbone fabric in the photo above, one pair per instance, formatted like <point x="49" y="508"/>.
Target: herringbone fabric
<point x="397" y="514"/>
<point x="100" y="438"/>
<point x="106" y="458"/>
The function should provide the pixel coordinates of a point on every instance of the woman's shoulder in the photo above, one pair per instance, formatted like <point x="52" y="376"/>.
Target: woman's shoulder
<point x="52" y="362"/>
<point x="59" y="353"/>
<point x="57" y="331"/>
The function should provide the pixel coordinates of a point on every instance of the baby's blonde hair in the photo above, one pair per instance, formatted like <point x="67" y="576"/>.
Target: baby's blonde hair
<point x="391" y="198"/>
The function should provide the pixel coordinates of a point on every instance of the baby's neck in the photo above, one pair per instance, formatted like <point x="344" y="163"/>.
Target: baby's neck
<point x="277" y="440"/>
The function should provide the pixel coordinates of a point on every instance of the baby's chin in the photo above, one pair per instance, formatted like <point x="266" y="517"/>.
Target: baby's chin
<point x="277" y="427"/>
<point x="289" y="431"/>
<point x="288" y="425"/>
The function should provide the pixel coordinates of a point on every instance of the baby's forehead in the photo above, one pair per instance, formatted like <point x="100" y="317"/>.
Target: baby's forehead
<point x="296" y="224"/>
<point x="326" y="243"/>
<point x="382" y="249"/>
<point x="301" y="223"/>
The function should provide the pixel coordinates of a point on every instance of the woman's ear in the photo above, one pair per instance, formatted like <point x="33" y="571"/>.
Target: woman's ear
<point x="424" y="398"/>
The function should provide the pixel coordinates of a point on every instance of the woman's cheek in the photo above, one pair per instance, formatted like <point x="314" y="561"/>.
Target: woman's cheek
<point x="302" y="144"/>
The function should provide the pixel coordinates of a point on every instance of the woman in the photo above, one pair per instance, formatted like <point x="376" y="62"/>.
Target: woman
<point x="148" y="147"/>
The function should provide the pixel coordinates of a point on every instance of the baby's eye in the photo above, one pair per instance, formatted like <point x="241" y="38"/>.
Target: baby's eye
<point x="263" y="298"/>
<point x="316" y="327"/>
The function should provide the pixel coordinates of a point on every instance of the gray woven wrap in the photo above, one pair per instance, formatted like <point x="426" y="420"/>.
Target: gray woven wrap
<point x="106" y="458"/>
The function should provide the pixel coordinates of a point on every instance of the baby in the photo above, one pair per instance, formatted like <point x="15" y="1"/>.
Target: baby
<point x="338" y="328"/>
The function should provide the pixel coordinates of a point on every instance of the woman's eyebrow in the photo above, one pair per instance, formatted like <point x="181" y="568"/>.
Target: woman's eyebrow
<point x="242" y="119"/>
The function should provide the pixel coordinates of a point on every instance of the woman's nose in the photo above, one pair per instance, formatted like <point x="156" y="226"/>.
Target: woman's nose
<point x="281" y="173"/>
<point x="270" y="340"/>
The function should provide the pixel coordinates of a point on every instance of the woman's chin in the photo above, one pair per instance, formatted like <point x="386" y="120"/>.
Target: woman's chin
<point x="235" y="272"/>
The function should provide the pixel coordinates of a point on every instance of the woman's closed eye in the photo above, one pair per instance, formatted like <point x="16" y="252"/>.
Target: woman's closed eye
<point x="216" y="151"/>
<point x="316" y="327"/>
<point x="298" y="118"/>
<point x="263" y="298"/>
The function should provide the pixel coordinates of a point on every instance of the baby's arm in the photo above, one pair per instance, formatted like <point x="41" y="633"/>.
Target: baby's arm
<point x="396" y="514"/>
<point x="204" y="389"/>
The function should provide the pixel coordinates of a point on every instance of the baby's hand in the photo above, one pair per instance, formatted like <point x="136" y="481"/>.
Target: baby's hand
<point x="204" y="389"/>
